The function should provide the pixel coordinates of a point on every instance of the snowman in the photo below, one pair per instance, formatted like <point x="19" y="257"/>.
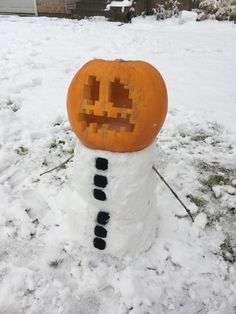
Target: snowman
<point x="116" y="109"/>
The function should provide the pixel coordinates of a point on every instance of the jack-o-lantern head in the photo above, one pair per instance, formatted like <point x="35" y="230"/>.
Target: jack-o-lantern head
<point x="117" y="106"/>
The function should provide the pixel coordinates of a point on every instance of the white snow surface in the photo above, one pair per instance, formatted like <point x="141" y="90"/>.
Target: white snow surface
<point x="190" y="268"/>
<point x="187" y="16"/>
<point x="119" y="4"/>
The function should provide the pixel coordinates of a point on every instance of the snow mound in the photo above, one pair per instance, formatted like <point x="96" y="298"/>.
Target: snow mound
<point x="187" y="16"/>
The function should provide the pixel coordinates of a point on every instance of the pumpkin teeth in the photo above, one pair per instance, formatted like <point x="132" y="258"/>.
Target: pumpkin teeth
<point x="106" y="123"/>
<point x="89" y="102"/>
<point x="93" y="127"/>
<point x="123" y="115"/>
<point x="123" y="130"/>
<point x="112" y="132"/>
<point x="105" y="126"/>
<point x="83" y="125"/>
<point x="112" y="113"/>
<point x="97" y="112"/>
<point x="100" y="132"/>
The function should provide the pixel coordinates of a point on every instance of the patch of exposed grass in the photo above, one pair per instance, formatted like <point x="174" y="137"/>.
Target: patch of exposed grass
<point x="29" y="291"/>
<point x="198" y="201"/>
<point x="199" y="137"/>
<point x="227" y="251"/>
<point x="35" y="221"/>
<point x="205" y="167"/>
<point x="214" y="180"/>
<point x="14" y="107"/>
<point x="214" y="167"/>
<point x="215" y="143"/>
<point x="212" y="219"/>
<point x="55" y="263"/>
<point x="53" y="144"/>
<point x="22" y="150"/>
<point x="217" y="174"/>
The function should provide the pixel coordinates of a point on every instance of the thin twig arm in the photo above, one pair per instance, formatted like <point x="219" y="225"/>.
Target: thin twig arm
<point x="59" y="166"/>
<point x="173" y="192"/>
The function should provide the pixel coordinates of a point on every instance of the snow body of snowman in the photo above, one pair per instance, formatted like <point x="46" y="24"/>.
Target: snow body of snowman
<point x="116" y="108"/>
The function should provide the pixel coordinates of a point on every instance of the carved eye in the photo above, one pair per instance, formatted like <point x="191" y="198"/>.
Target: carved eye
<point x="91" y="90"/>
<point x="119" y="95"/>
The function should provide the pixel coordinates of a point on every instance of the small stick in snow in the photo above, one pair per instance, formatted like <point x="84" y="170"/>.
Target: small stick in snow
<point x="173" y="192"/>
<point x="59" y="166"/>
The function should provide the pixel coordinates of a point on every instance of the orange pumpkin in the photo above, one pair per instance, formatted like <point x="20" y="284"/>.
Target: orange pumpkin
<point x="118" y="105"/>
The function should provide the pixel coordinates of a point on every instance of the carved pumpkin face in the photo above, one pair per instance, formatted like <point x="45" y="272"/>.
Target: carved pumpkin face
<point x="117" y="106"/>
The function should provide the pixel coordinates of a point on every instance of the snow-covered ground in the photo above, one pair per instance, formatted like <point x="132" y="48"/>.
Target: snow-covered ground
<point x="190" y="268"/>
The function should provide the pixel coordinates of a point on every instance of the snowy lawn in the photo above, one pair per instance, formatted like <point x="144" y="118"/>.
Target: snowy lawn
<point x="191" y="267"/>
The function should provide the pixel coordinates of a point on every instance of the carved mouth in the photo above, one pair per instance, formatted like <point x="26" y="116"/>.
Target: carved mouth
<point x="104" y="122"/>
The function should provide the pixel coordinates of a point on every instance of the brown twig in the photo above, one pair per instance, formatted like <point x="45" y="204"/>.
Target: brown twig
<point x="59" y="166"/>
<point x="173" y="192"/>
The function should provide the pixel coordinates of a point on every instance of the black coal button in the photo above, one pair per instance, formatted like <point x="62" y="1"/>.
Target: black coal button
<point x="99" y="243"/>
<point x="100" y="232"/>
<point x="101" y="163"/>
<point x="99" y="195"/>
<point x="100" y="181"/>
<point x="102" y="218"/>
